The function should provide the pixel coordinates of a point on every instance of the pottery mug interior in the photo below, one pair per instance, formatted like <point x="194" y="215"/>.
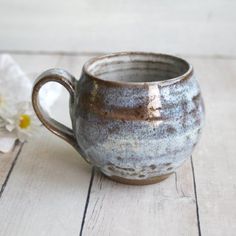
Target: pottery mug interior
<point x="135" y="116"/>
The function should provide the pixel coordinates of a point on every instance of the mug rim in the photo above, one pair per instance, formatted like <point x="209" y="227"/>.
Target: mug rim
<point x="183" y="76"/>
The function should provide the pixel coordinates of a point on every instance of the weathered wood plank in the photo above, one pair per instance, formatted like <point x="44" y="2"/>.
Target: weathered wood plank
<point x="167" y="208"/>
<point x="193" y="27"/>
<point x="214" y="159"/>
<point x="46" y="192"/>
<point x="6" y="164"/>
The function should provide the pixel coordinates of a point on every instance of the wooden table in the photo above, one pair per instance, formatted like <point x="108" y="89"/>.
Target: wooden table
<point x="47" y="189"/>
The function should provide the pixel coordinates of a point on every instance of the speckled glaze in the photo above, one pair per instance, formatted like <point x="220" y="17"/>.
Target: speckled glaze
<point x="135" y="116"/>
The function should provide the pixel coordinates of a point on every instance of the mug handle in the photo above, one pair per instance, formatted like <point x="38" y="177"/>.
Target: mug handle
<point x="68" y="81"/>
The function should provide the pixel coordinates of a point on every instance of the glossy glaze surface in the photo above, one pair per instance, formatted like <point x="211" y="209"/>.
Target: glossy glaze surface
<point x="137" y="115"/>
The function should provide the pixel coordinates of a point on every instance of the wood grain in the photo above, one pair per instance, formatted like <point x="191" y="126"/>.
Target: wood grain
<point x="203" y="27"/>
<point x="167" y="208"/>
<point x="214" y="159"/>
<point x="47" y="190"/>
<point x="7" y="162"/>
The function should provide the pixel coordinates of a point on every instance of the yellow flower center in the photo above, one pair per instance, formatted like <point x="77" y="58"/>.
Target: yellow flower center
<point x="24" y="121"/>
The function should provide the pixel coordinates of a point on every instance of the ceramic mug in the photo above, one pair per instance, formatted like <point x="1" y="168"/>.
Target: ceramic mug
<point x="135" y="116"/>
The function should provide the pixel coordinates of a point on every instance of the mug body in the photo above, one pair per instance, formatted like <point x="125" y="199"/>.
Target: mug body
<point x="137" y="116"/>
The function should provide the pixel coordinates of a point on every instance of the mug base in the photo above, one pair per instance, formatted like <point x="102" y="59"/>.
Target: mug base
<point x="152" y="180"/>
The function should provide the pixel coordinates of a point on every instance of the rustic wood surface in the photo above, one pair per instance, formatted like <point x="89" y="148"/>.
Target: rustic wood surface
<point x="7" y="162"/>
<point x="168" y="208"/>
<point x="47" y="189"/>
<point x="215" y="157"/>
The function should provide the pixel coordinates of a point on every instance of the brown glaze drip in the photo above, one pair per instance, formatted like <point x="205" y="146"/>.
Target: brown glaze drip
<point x="117" y="113"/>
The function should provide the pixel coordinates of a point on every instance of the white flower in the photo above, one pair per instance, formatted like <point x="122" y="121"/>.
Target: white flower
<point x="17" y="118"/>
<point x="14" y="86"/>
<point x="24" y="122"/>
<point x="7" y="140"/>
<point x="7" y="104"/>
<point x="13" y="81"/>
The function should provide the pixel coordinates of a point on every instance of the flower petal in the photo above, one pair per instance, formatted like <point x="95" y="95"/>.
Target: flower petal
<point x="6" y="144"/>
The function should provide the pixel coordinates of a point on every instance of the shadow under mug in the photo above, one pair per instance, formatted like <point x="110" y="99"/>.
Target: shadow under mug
<point x="135" y="116"/>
